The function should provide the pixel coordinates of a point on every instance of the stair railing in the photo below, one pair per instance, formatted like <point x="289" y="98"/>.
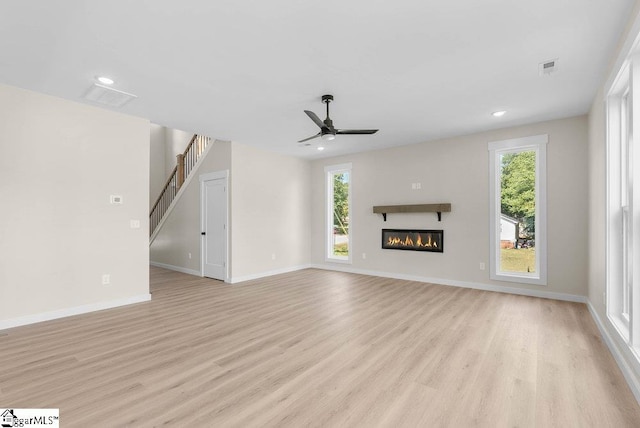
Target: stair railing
<point x="185" y="162"/>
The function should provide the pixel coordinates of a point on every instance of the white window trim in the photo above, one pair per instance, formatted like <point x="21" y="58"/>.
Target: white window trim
<point x="329" y="170"/>
<point x="537" y="143"/>
<point x="623" y="84"/>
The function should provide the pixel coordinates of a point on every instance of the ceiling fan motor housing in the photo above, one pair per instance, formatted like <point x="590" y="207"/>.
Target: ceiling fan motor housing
<point x="329" y="123"/>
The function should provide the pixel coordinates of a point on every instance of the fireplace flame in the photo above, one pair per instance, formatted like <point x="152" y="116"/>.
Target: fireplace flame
<point x="425" y="240"/>
<point x="408" y="242"/>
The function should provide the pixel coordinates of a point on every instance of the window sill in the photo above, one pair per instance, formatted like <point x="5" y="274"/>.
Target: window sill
<point x="621" y="326"/>
<point x="518" y="278"/>
<point x="340" y="261"/>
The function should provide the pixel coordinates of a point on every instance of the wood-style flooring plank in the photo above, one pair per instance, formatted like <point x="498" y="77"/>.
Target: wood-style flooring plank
<point x="319" y="348"/>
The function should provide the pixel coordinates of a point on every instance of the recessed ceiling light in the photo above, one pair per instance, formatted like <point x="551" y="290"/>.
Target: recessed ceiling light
<point x="498" y="113"/>
<point x="320" y="148"/>
<point x="105" y="80"/>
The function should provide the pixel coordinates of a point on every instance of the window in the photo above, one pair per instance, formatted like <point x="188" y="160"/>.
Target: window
<point x="517" y="230"/>
<point x="622" y="237"/>
<point x="626" y="180"/>
<point x="338" y="224"/>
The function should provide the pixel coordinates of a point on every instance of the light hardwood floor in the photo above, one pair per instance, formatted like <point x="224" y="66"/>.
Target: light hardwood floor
<point x="319" y="348"/>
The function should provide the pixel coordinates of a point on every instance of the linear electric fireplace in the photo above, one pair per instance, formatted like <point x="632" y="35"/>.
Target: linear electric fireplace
<point x="413" y="240"/>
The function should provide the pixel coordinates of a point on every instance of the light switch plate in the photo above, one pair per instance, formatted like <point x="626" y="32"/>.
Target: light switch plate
<point x="116" y="199"/>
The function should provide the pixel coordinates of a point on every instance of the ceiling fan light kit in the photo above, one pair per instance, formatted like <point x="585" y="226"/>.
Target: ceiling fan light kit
<point x="327" y="131"/>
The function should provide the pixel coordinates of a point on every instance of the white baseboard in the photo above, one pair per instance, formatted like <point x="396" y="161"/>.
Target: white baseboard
<point x="454" y="283"/>
<point x="629" y="374"/>
<point x="234" y="280"/>
<point x="440" y="281"/>
<point x="238" y="279"/>
<point x="62" y="313"/>
<point x="176" y="268"/>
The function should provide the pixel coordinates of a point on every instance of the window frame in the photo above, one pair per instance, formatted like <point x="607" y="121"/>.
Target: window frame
<point x="538" y="144"/>
<point x="621" y="236"/>
<point x="329" y="172"/>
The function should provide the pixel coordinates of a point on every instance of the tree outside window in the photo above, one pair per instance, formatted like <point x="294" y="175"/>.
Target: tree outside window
<point x="518" y="201"/>
<point x="338" y="211"/>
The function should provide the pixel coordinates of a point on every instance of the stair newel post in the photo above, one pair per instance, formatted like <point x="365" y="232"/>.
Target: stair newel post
<point x="180" y="172"/>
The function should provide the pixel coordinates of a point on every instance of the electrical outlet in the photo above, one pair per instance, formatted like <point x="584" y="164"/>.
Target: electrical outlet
<point x="189" y="255"/>
<point x="364" y="256"/>
<point x="482" y="266"/>
<point x="418" y="186"/>
<point x="115" y="199"/>
<point x="273" y="256"/>
<point x="134" y="224"/>
<point x="106" y="279"/>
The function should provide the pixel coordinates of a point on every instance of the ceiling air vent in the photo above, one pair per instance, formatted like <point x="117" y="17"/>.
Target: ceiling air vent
<point x="548" y="67"/>
<point x="107" y="96"/>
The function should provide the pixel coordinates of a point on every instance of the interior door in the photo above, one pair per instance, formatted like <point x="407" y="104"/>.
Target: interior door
<point x="214" y="228"/>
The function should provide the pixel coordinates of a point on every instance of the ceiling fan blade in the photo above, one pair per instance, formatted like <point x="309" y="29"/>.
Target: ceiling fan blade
<point x="310" y="138"/>
<point x="355" y="131"/>
<point x="315" y="118"/>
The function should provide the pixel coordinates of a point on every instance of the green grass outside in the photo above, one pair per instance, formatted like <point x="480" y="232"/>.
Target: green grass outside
<point x="341" y="249"/>
<point x="521" y="260"/>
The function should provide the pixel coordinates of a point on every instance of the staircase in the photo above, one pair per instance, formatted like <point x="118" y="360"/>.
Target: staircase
<point x="184" y="165"/>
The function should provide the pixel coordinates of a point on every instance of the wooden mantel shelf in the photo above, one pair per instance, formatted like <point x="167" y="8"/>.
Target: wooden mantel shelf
<point x="420" y="208"/>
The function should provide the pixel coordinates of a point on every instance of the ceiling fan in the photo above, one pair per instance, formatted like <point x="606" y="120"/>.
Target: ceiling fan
<point x="327" y="131"/>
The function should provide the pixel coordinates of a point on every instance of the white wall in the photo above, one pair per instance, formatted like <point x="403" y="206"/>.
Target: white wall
<point x="164" y="145"/>
<point x="271" y="212"/>
<point x="157" y="163"/>
<point x="456" y="170"/>
<point x="180" y="234"/>
<point x="175" y="143"/>
<point x="597" y="204"/>
<point x="59" y="162"/>
<point x="268" y="211"/>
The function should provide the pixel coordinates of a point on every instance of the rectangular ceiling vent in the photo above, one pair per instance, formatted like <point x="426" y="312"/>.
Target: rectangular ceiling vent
<point x="548" y="67"/>
<point x="107" y="96"/>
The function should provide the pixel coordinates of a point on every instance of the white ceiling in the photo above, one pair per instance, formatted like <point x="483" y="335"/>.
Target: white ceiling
<point x="245" y="70"/>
